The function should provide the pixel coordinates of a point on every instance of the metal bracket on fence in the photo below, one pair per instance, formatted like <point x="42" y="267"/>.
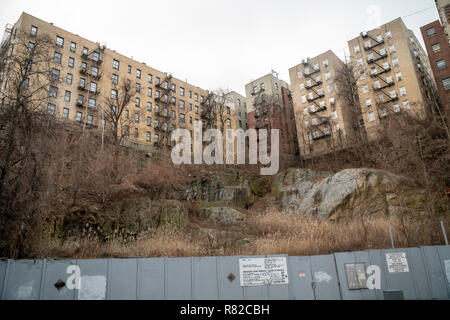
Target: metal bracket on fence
<point x="445" y="234"/>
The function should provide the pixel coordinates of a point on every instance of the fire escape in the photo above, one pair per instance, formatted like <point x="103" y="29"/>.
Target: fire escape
<point x="260" y="103"/>
<point x="91" y="61"/>
<point x="208" y="112"/>
<point x="376" y="59"/>
<point x="317" y="131"/>
<point x="163" y="116"/>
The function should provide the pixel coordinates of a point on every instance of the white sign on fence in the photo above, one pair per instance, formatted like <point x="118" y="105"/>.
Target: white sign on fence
<point x="263" y="271"/>
<point x="397" y="262"/>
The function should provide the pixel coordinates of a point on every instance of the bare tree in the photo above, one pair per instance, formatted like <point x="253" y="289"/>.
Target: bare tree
<point x="24" y="92"/>
<point x="117" y="114"/>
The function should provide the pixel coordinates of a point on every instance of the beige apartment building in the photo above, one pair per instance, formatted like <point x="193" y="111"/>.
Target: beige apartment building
<point x="323" y="120"/>
<point x="443" y="7"/>
<point x="89" y="73"/>
<point x="393" y="74"/>
<point x="237" y="103"/>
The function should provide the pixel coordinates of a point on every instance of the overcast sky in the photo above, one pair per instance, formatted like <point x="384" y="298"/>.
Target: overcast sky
<point x="221" y="43"/>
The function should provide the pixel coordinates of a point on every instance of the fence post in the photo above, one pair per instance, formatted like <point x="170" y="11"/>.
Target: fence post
<point x="444" y="233"/>
<point x="392" y="237"/>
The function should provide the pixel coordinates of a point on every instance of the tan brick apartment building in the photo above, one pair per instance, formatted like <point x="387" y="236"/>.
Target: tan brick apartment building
<point x="392" y="71"/>
<point x="238" y="104"/>
<point x="437" y="44"/>
<point x="443" y="7"/>
<point x="323" y="120"/>
<point x="87" y="73"/>
<point x="269" y="106"/>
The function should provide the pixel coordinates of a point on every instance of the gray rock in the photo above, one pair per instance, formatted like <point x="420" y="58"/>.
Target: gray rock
<point x="223" y="215"/>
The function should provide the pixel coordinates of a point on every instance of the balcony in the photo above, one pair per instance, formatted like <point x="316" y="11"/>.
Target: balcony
<point x="387" y="85"/>
<point x="376" y="74"/>
<point x="256" y="93"/>
<point x="378" y="43"/>
<point x="322" y="136"/>
<point x="373" y="60"/>
<point x="97" y="62"/>
<point x="80" y="104"/>
<point x="309" y="74"/>
<point x="318" y="83"/>
<point x="81" y="88"/>
<point x="318" y="110"/>
<point x="319" y="96"/>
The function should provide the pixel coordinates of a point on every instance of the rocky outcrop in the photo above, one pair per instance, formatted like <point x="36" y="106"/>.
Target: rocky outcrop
<point x="223" y="215"/>
<point x="345" y="193"/>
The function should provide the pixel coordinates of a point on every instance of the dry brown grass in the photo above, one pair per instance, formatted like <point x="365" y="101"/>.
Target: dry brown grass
<point x="270" y="233"/>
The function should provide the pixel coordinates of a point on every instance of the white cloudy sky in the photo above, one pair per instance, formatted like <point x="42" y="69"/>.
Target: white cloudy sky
<point x="220" y="43"/>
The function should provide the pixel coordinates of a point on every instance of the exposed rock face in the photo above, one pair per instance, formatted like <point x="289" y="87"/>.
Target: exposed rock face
<point x="328" y="195"/>
<point x="223" y="215"/>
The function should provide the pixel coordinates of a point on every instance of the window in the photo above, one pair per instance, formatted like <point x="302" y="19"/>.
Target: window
<point x="389" y="79"/>
<point x="85" y="51"/>
<point x="113" y="94"/>
<point x="182" y="104"/>
<point x="383" y="52"/>
<point x="399" y="76"/>
<point x="67" y="96"/>
<point x="365" y="89"/>
<point x="89" y="119"/>
<point x="300" y="74"/>
<point x="55" y="74"/>
<point x="73" y="46"/>
<point x="80" y="99"/>
<point x="395" y="62"/>
<point x="65" y="114"/>
<point x="69" y="78"/>
<point x="93" y="87"/>
<point x="57" y="57"/>
<point x="229" y="123"/>
<point x="51" y="109"/>
<point x="393" y="94"/>
<point x="436" y="47"/>
<point x="33" y="31"/>
<point x="138" y="73"/>
<point x="371" y="116"/>
<point x="136" y="132"/>
<point x="305" y="111"/>
<point x="303" y="99"/>
<point x="138" y="87"/>
<point x="136" y="117"/>
<point x="325" y="63"/>
<point x="389" y="35"/>
<point x="31" y="46"/>
<point x="156" y="108"/>
<point x="82" y="83"/>
<point x="59" y="41"/>
<point x="446" y="83"/>
<point x="53" y="92"/>
<point x="138" y="102"/>
<point x="79" y="116"/>
<point x="149" y="92"/>
<point x="174" y="88"/>
<point x="328" y="75"/>
<point x="367" y="44"/>
<point x="158" y="80"/>
<point x="392" y="48"/>
<point x="330" y="88"/>
<point x="156" y="138"/>
<point x="441" y="64"/>
<point x="149" y="136"/>
<point x="332" y="101"/>
<point x="335" y="115"/>
<point x="357" y="49"/>
<point x="406" y="105"/>
<point x="116" y="64"/>
<point x="94" y="71"/>
<point x="396" y="108"/>
<point x="92" y="103"/>
<point x="149" y="121"/>
<point x="196" y="109"/>
<point x="403" y="91"/>
<point x="71" y="62"/>
<point x="115" y="79"/>
<point x="84" y="66"/>
<point x="181" y="91"/>
<point x="431" y="31"/>
<point x="150" y="78"/>
<point x="376" y="84"/>
<point x="369" y="102"/>
<point x="129" y="69"/>
<point x="149" y="106"/>
<point x="196" y="96"/>
<point x="127" y="114"/>
<point x="174" y="115"/>
<point x="359" y="62"/>
<point x="302" y="86"/>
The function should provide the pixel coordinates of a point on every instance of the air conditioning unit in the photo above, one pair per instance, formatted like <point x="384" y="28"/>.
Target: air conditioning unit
<point x="305" y="62"/>
<point x="364" y="34"/>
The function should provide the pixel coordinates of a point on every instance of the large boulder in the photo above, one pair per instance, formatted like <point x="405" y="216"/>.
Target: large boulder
<point x="348" y="192"/>
<point x="223" y="215"/>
